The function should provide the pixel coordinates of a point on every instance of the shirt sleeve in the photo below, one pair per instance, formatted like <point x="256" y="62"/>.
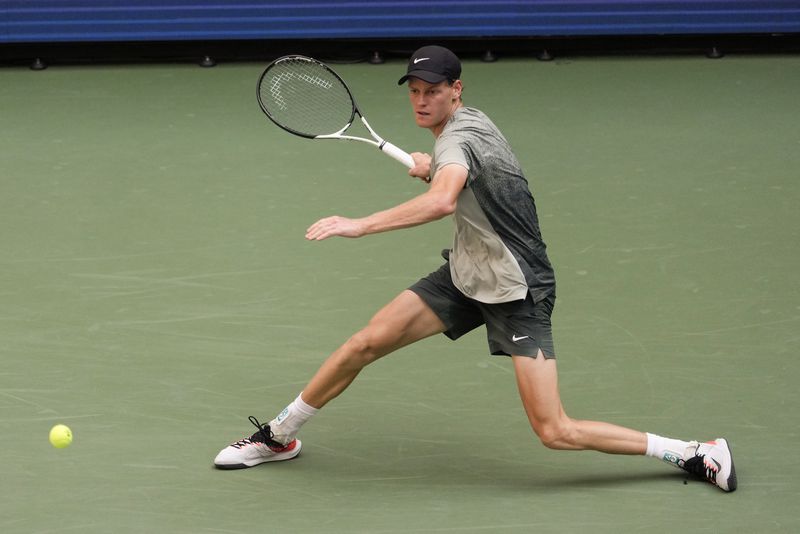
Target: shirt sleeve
<point x="447" y="151"/>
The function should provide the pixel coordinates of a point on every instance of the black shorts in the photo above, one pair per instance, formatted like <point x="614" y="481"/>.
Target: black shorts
<point x="518" y="328"/>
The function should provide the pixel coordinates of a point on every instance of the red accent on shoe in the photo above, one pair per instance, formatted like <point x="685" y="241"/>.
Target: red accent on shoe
<point x="289" y="447"/>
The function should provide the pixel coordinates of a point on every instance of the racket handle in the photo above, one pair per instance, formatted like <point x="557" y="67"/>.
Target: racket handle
<point x="397" y="153"/>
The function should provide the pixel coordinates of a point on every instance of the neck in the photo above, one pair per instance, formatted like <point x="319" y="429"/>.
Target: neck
<point x="439" y="128"/>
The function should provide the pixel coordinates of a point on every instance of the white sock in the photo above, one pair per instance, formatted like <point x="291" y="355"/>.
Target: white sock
<point x="666" y="449"/>
<point x="286" y="426"/>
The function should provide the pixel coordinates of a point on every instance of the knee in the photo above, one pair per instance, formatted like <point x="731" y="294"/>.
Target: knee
<point x="363" y="348"/>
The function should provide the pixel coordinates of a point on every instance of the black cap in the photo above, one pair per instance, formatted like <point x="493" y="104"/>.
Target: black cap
<point x="433" y="64"/>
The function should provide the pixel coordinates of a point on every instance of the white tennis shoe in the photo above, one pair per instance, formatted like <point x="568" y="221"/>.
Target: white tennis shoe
<point x="712" y="461"/>
<point x="256" y="449"/>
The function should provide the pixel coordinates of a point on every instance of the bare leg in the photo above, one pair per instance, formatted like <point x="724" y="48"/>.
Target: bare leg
<point x="403" y="321"/>
<point x="537" y="380"/>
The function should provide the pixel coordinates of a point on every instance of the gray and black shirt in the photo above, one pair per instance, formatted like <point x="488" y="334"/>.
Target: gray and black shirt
<point x="498" y="253"/>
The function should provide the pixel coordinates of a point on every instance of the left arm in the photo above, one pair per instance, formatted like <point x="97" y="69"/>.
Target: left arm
<point x="439" y="201"/>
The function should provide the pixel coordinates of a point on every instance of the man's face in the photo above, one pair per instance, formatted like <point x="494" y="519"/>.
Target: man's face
<point x="433" y="103"/>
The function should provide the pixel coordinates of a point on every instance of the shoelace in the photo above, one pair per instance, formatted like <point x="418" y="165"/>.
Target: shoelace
<point x="264" y="435"/>
<point x="698" y="466"/>
<point x="263" y="430"/>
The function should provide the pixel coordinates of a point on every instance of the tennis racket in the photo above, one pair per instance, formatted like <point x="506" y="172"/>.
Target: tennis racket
<point x="307" y="98"/>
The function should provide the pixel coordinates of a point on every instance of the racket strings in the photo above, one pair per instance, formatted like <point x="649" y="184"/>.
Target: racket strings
<point x="306" y="97"/>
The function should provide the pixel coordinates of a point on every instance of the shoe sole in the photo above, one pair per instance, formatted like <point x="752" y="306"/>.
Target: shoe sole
<point x="280" y="457"/>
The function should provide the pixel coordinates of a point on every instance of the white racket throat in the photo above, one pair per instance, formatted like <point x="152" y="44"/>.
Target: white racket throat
<point x="385" y="146"/>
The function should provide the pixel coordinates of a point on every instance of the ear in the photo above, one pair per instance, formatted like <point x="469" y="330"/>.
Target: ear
<point x="457" y="88"/>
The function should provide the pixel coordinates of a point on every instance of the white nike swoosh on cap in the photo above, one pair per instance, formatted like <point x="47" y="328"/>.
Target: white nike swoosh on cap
<point x="418" y="59"/>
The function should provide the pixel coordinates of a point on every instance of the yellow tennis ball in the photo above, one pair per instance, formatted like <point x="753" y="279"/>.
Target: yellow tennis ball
<point x="60" y="436"/>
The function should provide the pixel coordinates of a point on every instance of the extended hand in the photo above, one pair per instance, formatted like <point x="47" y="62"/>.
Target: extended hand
<point x="334" y="226"/>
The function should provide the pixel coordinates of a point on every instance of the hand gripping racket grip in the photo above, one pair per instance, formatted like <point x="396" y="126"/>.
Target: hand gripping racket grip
<point x="397" y="153"/>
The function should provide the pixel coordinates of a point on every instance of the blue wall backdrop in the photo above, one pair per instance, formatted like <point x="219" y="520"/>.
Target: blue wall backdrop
<point x="48" y="21"/>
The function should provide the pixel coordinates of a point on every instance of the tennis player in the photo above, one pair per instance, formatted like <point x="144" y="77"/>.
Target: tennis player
<point x="497" y="274"/>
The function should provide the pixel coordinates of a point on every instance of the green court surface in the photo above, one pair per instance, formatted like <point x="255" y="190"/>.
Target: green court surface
<point x="156" y="290"/>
